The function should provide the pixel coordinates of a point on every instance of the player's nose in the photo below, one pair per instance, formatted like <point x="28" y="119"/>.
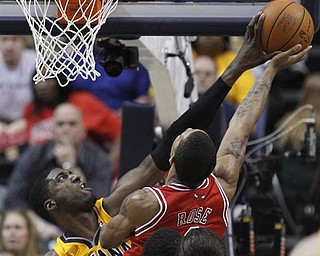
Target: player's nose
<point x="74" y="177"/>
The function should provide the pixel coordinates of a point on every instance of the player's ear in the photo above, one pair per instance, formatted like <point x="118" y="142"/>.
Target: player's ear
<point x="50" y="205"/>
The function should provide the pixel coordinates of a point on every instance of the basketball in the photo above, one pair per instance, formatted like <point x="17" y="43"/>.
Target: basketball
<point x="286" y="24"/>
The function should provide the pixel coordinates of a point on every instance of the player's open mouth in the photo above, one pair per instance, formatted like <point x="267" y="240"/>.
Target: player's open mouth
<point x="83" y="186"/>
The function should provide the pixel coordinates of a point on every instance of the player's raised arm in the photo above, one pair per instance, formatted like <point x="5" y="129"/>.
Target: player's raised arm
<point x="230" y="155"/>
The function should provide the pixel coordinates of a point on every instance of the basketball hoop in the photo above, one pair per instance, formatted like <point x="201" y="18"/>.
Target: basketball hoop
<point x="65" y="44"/>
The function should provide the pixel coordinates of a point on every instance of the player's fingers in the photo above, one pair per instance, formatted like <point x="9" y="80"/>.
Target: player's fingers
<point x="258" y="27"/>
<point x="295" y="49"/>
<point x="251" y="26"/>
<point x="271" y="55"/>
<point x="302" y="54"/>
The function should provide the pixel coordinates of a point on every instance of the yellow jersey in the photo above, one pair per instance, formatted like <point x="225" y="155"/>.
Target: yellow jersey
<point x="79" y="246"/>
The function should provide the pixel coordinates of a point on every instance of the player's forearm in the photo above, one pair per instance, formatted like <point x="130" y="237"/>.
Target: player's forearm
<point x="251" y="108"/>
<point x="232" y="73"/>
<point x="116" y="231"/>
<point x="109" y="238"/>
<point x="232" y="149"/>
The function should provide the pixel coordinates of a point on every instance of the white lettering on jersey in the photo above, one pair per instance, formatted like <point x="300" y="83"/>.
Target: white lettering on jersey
<point x="194" y="216"/>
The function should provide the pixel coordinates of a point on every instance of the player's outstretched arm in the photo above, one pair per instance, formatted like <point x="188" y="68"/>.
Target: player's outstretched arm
<point x="230" y="155"/>
<point x="198" y="116"/>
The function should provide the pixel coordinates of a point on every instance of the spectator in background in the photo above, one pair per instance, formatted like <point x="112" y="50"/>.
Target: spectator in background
<point x="163" y="242"/>
<point x="130" y="85"/>
<point x="103" y="126"/>
<point x="101" y="123"/>
<point x="18" y="235"/>
<point x="17" y="64"/>
<point x="298" y="177"/>
<point x="70" y="150"/>
<point x="217" y="48"/>
<point x="202" y="242"/>
<point x="205" y="73"/>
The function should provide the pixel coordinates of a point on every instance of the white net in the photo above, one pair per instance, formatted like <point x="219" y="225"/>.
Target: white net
<point x="65" y="44"/>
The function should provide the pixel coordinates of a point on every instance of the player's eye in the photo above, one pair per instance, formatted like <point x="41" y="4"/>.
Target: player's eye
<point x="61" y="178"/>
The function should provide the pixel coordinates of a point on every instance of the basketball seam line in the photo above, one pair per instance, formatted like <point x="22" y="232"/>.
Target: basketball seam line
<point x="304" y="14"/>
<point x="275" y="23"/>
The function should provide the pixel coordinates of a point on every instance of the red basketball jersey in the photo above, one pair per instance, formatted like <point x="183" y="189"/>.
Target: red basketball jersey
<point x="183" y="208"/>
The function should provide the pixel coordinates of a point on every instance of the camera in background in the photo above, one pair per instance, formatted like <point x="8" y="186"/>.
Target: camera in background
<point x="118" y="56"/>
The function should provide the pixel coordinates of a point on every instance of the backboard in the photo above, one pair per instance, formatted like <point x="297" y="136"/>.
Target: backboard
<point x="150" y="18"/>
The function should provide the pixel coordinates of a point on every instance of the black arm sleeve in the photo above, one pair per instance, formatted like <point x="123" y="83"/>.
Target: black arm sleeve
<point x="198" y="116"/>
